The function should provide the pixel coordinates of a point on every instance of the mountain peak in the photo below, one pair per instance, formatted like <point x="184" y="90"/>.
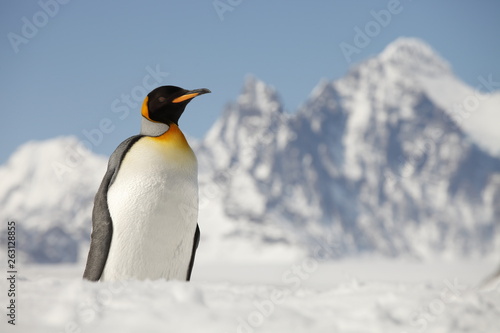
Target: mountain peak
<point x="414" y="55"/>
<point x="256" y="94"/>
<point x="256" y="112"/>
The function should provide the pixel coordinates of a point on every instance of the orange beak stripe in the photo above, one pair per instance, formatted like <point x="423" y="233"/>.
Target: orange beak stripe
<point x="185" y="97"/>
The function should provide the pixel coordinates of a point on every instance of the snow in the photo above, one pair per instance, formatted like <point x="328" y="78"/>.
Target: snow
<point x="356" y="126"/>
<point x="474" y="109"/>
<point x="363" y="295"/>
<point x="368" y="165"/>
<point x="414" y="56"/>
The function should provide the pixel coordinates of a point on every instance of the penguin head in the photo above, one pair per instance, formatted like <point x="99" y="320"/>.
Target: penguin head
<point x="167" y="103"/>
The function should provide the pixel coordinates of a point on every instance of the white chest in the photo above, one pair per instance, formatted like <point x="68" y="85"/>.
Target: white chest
<point x="153" y="204"/>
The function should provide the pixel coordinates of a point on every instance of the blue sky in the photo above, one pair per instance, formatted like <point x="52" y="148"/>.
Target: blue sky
<point x="75" y="68"/>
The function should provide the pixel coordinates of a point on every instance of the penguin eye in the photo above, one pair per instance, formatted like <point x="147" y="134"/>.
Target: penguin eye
<point x="161" y="99"/>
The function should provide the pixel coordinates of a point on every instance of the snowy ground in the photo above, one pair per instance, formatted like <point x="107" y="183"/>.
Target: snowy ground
<point x="306" y="296"/>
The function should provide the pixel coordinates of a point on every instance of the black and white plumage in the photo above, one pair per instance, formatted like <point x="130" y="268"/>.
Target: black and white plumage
<point x="144" y="221"/>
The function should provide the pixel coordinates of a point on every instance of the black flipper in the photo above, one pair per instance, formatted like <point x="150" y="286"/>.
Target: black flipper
<point x="102" y="225"/>
<point x="193" y="253"/>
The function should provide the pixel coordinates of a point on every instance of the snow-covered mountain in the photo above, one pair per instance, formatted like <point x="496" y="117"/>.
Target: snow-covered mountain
<point x="48" y="189"/>
<point x="378" y="161"/>
<point x="371" y="162"/>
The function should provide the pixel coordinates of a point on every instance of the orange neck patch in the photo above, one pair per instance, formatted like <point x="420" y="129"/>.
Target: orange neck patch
<point x="173" y="135"/>
<point x="173" y="146"/>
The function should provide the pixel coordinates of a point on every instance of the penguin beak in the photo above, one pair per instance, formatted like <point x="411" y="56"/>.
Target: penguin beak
<point x="191" y="94"/>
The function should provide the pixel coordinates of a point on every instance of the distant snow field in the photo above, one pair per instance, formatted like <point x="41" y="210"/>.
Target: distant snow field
<point x="363" y="295"/>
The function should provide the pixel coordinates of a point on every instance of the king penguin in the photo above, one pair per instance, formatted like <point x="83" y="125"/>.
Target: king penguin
<point x="144" y="220"/>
